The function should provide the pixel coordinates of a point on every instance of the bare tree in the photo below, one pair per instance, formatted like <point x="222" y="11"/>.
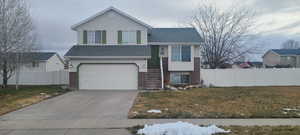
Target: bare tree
<point x="225" y="33"/>
<point x="16" y="36"/>
<point x="290" y="44"/>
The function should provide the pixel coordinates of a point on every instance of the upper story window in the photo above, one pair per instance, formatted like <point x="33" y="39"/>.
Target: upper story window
<point x="181" y="53"/>
<point x="129" y="37"/>
<point x="94" y="37"/>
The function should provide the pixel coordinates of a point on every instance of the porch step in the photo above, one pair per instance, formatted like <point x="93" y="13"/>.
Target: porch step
<point x="152" y="79"/>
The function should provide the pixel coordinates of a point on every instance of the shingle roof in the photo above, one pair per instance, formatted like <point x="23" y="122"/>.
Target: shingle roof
<point x="39" y="56"/>
<point x="174" y="35"/>
<point x="287" y="51"/>
<point x="109" y="50"/>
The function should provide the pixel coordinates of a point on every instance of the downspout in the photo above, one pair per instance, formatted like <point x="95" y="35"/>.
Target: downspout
<point x="162" y="73"/>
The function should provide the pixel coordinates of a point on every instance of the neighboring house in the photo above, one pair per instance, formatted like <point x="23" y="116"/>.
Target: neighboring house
<point x="282" y="58"/>
<point x="254" y="64"/>
<point x="117" y="51"/>
<point x="43" y="62"/>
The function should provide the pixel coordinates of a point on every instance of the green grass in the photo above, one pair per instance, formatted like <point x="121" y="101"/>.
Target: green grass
<point x="244" y="102"/>
<point x="250" y="130"/>
<point x="12" y="99"/>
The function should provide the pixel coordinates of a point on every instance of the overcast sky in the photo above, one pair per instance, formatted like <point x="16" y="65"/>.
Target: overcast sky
<point x="278" y="20"/>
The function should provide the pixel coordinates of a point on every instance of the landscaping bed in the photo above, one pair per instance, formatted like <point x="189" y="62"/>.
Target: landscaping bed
<point x="12" y="99"/>
<point x="236" y="102"/>
<point x="250" y="130"/>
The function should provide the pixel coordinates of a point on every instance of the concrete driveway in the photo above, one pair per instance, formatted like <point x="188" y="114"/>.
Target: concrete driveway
<point x="74" y="110"/>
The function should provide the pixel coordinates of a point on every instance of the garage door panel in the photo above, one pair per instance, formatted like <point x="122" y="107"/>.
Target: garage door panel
<point x="108" y="77"/>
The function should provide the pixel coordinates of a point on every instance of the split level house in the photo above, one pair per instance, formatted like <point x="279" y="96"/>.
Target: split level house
<point x="116" y="51"/>
<point x="282" y="58"/>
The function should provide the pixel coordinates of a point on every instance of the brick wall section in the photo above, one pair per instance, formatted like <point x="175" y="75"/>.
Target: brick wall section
<point x="141" y="80"/>
<point x="73" y="80"/>
<point x="195" y="75"/>
<point x="166" y="72"/>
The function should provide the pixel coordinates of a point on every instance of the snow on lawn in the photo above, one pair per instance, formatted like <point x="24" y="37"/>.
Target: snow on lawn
<point x="179" y="128"/>
<point x="154" y="111"/>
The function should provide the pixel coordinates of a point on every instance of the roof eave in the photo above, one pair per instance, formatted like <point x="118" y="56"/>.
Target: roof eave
<point x="174" y="43"/>
<point x="75" y="26"/>
<point x="108" y="57"/>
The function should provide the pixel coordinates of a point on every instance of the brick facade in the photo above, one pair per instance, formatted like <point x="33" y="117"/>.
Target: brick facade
<point x="195" y="75"/>
<point x="166" y="70"/>
<point x="73" y="80"/>
<point x="141" y="80"/>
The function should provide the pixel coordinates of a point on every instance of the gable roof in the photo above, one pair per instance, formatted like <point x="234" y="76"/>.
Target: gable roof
<point x="109" y="50"/>
<point x="287" y="51"/>
<point x="107" y="10"/>
<point x="174" y="35"/>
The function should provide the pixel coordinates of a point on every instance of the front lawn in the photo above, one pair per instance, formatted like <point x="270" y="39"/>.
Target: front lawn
<point x="251" y="130"/>
<point x="11" y="99"/>
<point x="245" y="102"/>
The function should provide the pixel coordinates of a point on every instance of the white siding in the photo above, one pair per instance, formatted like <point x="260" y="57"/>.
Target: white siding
<point x="54" y="64"/>
<point x="28" y="67"/>
<point x="197" y="51"/>
<point x="142" y="64"/>
<point x="112" y="22"/>
<point x="271" y="59"/>
<point x="250" y="77"/>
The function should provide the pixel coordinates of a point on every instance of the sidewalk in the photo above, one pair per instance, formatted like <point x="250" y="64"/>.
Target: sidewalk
<point x="124" y="123"/>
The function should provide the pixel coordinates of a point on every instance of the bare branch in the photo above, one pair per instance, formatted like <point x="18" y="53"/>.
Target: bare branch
<point x="16" y="36"/>
<point x="224" y="33"/>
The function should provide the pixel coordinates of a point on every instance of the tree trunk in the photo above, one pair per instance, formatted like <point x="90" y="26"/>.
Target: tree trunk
<point x="5" y="75"/>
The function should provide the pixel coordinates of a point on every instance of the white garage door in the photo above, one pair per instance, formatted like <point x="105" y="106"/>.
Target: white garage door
<point x="108" y="77"/>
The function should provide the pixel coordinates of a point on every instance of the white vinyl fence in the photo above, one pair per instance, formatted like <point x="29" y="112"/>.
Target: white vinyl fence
<point x="41" y="78"/>
<point x="250" y="77"/>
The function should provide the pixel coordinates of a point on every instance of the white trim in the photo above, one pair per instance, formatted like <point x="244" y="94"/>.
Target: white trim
<point x="174" y="43"/>
<point x="107" y="57"/>
<point x="106" y="10"/>
<point x="112" y="44"/>
<point x="162" y="73"/>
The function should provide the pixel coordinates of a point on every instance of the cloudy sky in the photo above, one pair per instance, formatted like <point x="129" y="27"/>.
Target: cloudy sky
<point x="277" y="20"/>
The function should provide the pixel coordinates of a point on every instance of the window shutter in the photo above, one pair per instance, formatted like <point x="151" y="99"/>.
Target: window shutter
<point x="119" y="37"/>
<point x="98" y="37"/>
<point x="138" y="37"/>
<point x="103" y="37"/>
<point x="84" y="37"/>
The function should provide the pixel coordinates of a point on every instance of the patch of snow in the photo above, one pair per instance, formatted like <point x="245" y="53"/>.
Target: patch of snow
<point x="180" y="128"/>
<point x="154" y="111"/>
<point x="289" y="109"/>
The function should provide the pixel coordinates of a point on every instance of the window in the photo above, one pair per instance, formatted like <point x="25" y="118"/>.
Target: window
<point x="180" y="78"/>
<point x="94" y="37"/>
<point x="129" y="37"/>
<point x="35" y="64"/>
<point x="181" y="53"/>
